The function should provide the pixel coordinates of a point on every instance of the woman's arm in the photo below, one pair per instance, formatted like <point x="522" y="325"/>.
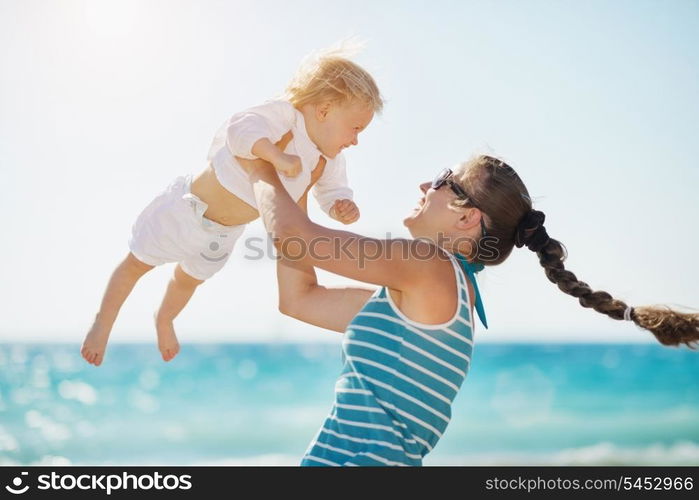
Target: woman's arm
<point x="301" y="297"/>
<point x="400" y="264"/>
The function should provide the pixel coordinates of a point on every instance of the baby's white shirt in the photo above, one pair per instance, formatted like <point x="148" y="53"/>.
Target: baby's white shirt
<point x="272" y="120"/>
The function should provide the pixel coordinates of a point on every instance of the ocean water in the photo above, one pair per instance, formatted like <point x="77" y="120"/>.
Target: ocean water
<point x="261" y="404"/>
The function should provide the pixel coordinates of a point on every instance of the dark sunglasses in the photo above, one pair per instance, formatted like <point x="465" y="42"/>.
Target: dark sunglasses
<point x="445" y="177"/>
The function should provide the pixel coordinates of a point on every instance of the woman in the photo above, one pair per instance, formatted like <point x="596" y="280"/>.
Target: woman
<point x="407" y="344"/>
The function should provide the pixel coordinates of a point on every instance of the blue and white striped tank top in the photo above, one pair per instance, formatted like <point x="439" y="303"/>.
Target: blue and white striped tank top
<point x="393" y="398"/>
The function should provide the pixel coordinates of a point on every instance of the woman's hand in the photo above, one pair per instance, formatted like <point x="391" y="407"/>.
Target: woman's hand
<point x="397" y="263"/>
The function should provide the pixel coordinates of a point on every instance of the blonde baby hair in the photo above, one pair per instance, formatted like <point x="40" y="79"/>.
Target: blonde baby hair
<point x="329" y="74"/>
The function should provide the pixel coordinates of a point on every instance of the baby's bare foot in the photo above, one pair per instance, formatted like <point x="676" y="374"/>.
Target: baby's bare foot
<point x="167" y="340"/>
<point x="95" y="343"/>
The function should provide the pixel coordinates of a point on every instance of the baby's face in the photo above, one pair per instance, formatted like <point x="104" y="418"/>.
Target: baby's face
<point x="340" y="125"/>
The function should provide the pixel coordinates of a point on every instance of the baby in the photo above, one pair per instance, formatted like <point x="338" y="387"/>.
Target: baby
<point x="197" y="220"/>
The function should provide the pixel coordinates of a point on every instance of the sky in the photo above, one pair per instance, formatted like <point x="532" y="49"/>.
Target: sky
<point x="595" y="104"/>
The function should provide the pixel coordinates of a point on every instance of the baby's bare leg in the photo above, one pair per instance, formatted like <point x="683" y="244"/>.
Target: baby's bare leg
<point x="179" y="291"/>
<point x="120" y="285"/>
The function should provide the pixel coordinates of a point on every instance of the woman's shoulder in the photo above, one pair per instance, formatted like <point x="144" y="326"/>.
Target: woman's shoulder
<point x="447" y="280"/>
<point x="433" y="298"/>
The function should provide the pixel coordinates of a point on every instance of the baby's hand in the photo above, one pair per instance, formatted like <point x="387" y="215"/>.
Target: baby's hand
<point x="345" y="211"/>
<point x="289" y="165"/>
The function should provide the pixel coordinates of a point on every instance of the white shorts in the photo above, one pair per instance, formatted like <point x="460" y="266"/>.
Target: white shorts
<point x="172" y="228"/>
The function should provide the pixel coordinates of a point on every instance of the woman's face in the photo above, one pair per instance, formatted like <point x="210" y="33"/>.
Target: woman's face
<point x="435" y="218"/>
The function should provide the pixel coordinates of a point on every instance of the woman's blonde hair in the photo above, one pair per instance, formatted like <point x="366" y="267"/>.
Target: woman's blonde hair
<point x="329" y="75"/>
